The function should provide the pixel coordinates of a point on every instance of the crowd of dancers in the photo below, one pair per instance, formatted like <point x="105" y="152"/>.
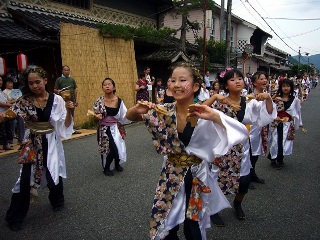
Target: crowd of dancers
<point x="210" y="149"/>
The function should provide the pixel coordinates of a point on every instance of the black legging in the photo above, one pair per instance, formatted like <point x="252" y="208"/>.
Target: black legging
<point x="191" y="228"/>
<point x="113" y="152"/>
<point x="20" y="202"/>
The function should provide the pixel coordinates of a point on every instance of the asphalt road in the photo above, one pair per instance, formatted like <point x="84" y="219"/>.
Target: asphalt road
<point x="118" y="207"/>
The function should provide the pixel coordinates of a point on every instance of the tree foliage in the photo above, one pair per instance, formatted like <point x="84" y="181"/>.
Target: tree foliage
<point x="299" y="69"/>
<point x="126" y="32"/>
<point x="215" y="51"/>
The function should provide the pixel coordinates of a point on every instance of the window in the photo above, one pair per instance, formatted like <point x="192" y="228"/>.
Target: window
<point x="85" y="4"/>
<point x="213" y="29"/>
<point x="231" y="37"/>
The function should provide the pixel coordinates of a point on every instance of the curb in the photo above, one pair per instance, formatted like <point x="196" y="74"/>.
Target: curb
<point x="84" y="133"/>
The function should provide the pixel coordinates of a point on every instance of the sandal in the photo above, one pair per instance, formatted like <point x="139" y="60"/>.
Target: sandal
<point x="8" y="147"/>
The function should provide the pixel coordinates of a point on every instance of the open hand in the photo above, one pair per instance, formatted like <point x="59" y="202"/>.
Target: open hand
<point x="69" y="105"/>
<point x="204" y="112"/>
<point x="143" y="107"/>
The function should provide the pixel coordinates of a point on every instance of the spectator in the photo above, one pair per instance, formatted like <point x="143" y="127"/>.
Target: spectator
<point x="4" y="126"/>
<point x="13" y="95"/>
<point x="66" y="81"/>
<point x="159" y="91"/>
<point x="168" y="97"/>
<point x="207" y="80"/>
<point x="150" y="81"/>
<point x="142" y="88"/>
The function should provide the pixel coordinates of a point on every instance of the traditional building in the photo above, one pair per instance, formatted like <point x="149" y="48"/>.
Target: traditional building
<point x="34" y="27"/>
<point x="242" y="33"/>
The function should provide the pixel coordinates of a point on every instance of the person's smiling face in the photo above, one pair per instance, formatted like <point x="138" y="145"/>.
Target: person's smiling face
<point x="182" y="84"/>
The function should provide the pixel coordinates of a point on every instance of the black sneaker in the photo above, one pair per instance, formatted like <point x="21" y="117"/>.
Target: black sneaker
<point x="275" y="165"/>
<point x="58" y="208"/>
<point x="119" y="169"/>
<point x="108" y="172"/>
<point x="15" y="227"/>
<point x="217" y="220"/>
<point x="239" y="212"/>
<point x="257" y="180"/>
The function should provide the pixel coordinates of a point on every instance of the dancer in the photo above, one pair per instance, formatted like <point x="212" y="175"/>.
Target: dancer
<point x="284" y="126"/>
<point x="184" y="177"/>
<point x="258" y="134"/>
<point x="233" y="169"/>
<point x="37" y="105"/>
<point x="111" y="111"/>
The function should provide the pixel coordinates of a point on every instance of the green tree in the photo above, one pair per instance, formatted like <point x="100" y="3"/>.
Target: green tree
<point x="182" y="8"/>
<point x="215" y="52"/>
<point x="298" y="69"/>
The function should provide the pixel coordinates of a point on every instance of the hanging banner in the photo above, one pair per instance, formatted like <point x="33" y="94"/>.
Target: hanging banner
<point x="22" y="61"/>
<point x="3" y="67"/>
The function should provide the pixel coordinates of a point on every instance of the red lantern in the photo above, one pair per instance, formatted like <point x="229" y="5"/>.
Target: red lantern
<point x="3" y="67"/>
<point x="22" y="61"/>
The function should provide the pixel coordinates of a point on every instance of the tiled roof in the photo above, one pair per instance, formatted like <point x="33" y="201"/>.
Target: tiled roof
<point x="45" y="22"/>
<point x="10" y="30"/>
<point x="165" y="56"/>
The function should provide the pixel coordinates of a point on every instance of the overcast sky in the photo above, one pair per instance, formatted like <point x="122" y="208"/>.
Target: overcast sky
<point x="304" y="34"/>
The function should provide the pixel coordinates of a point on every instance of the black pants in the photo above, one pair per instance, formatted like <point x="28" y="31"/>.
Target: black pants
<point x="113" y="153"/>
<point x="4" y="133"/>
<point x="244" y="182"/>
<point x="191" y="228"/>
<point x="280" y="156"/>
<point x="20" y="201"/>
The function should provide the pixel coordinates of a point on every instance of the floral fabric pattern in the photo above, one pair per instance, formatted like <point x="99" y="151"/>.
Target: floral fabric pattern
<point x="230" y="163"/>
<point x="194" y="211"/>
<point x="103" y="139"/>
<point x="26" y="109"/>
<point x="264" y="137"/>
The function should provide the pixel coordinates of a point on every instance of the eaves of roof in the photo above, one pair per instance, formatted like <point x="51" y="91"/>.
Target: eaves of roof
<point x="169" y="55"/>
<point x="12" y="31"/>
<point x="45" y="22"/>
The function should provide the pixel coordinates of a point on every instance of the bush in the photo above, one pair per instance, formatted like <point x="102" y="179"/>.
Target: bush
<point x="91" y="124"/>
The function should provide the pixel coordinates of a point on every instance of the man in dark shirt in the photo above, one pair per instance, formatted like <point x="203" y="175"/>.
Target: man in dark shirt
<point x="65" y="81"/>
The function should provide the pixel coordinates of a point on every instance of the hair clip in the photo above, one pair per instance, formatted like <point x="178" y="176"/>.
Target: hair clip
<point x="224" y="72"/>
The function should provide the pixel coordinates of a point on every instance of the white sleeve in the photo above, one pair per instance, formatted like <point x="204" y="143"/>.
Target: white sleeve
<point x="210" y="140"/>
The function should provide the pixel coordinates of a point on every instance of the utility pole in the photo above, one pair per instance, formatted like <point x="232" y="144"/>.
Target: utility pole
<point x="299" y="56"/>
<point x="204" y="37"/>
<point x="307" y="54"/>
<point x="222" y="22"/>
<point x="228" y="36"/>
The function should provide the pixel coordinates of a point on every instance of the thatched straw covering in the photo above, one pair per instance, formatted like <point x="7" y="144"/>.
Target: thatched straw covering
<point x="92" y="58"/>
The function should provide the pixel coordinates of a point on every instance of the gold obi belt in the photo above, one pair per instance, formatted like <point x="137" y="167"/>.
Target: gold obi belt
<point x="183" y="159"/>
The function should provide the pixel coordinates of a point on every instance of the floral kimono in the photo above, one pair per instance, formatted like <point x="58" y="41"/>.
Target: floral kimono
<point x="208" y="141"/>
<point x="113" y="118"/>
<point x="55" y="153"/>
<point x="236" y="163"/>
<point x="290" y="119"/>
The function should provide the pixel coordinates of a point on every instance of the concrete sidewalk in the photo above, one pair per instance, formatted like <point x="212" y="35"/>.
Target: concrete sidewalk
<point x="84" y="133"/>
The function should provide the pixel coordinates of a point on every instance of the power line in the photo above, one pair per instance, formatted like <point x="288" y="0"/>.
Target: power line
<point x="270" y="27"/>
<point x="295" y="19"/>
<point x="251" y="13"/>
<point x="276" y="24"/>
